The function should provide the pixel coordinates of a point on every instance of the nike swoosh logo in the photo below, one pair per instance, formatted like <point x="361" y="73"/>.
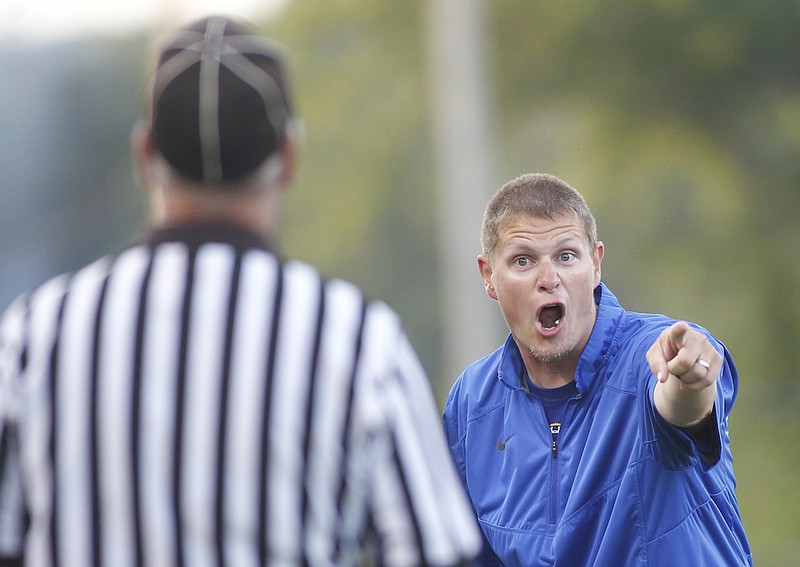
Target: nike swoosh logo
<point x="501" y="444"/>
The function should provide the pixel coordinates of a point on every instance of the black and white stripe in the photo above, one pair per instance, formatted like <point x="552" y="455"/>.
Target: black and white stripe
<point x="207" y="404"/>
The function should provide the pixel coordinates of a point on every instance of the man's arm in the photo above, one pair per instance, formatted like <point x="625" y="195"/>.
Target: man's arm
<point x="687" y="366"/>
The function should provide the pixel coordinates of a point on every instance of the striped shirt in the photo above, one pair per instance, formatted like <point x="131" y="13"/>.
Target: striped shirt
<point x="198" y="401"/>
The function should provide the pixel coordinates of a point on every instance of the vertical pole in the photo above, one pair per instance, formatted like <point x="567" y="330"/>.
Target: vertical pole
<point x="464" y="149"/>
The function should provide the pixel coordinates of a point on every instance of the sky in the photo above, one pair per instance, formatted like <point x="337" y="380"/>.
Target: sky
<point x="37" y="21"/>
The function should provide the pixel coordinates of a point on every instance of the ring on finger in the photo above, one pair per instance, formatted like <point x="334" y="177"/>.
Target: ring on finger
<point x="705" y="364"/>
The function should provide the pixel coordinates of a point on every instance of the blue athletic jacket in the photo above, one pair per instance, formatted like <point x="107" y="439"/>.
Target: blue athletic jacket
<point x="622" y="487"/>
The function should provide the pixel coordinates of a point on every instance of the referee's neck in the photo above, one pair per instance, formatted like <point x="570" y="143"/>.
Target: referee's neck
<point x="253" y="209"/>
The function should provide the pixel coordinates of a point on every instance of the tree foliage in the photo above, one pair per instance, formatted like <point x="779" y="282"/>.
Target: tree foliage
<point x="677" y="120"/>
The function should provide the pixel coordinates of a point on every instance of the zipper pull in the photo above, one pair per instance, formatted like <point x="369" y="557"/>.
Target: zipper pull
<point x="555" y="429"/>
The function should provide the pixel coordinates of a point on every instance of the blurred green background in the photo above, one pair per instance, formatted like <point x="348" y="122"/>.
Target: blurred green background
<point x="679" y="121"/>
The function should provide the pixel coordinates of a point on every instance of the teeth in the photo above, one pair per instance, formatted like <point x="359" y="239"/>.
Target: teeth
<point x="557" y="322"/>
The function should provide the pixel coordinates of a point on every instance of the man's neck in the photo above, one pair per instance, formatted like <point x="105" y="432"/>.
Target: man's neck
<point x="549" y="374"/>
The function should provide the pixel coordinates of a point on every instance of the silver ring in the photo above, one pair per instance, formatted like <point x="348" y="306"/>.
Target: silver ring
<point x="703" y="363"/>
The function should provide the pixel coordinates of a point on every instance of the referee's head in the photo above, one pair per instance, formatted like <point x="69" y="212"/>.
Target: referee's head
<point x="220" y="117"/>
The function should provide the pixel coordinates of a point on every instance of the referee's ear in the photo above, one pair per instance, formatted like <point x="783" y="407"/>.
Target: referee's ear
<point x="288" y="159"/>
<point x="142" y="153"/>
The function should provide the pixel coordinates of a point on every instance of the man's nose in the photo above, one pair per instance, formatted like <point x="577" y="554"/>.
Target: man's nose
<point x="549" y="279"/>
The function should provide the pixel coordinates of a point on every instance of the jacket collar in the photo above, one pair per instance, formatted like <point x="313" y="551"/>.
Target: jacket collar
<point x="609" y="313"/>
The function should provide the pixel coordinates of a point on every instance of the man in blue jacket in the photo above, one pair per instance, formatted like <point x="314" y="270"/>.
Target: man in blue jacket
<point x="594" y="435"/>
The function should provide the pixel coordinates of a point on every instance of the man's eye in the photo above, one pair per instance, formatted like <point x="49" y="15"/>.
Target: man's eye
<point x="567" y="256"/>
<point x="522" y="261"/>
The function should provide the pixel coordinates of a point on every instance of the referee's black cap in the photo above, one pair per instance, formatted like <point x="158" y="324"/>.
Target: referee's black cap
<point x="220" y="103"/>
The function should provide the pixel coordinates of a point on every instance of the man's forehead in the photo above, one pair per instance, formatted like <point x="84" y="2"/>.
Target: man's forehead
<point x="561" y="220"/>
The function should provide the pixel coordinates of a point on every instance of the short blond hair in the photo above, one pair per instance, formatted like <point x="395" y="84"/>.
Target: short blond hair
<point x="539" y="195"/>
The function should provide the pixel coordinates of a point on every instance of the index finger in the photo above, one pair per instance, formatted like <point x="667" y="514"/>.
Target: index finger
<point x="659" y="354"/>
<point x="677" y="338"/>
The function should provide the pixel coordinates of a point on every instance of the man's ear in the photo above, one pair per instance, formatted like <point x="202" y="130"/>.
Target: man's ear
<point x="289" y="151"/>
<point x="143" y="152"/>
<point x="146" y="163"/>
<point x="485" y="268"/>
<point x="598" y="261"/>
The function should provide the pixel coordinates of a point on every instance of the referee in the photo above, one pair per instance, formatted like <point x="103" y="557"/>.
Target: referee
<point x="198" y="400"/>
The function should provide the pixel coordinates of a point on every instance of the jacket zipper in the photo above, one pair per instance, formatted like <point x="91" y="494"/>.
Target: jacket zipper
<point x="555" y="431"/>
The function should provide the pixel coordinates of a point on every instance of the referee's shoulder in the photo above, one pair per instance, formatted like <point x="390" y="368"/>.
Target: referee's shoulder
<point x="59" y="285"/>
<point x="339" y="287"/>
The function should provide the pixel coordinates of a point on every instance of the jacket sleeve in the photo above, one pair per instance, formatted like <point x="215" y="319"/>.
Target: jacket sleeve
<point x="674" y="447"/>
<point x="453" y="432"/>
<point x="452" y="423"/>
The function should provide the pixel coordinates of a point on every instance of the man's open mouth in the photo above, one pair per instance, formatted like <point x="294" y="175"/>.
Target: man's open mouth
<point x="550" y="316"/>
